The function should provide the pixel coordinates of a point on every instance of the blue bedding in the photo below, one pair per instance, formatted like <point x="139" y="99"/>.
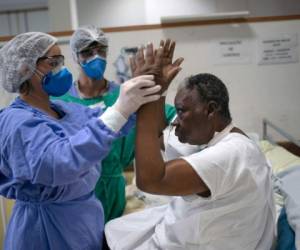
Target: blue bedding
<point x="289" y="219"/>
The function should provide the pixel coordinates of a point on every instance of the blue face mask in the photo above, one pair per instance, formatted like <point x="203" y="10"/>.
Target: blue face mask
<point x="57" y="83"/>
<point x="94" y="68"/>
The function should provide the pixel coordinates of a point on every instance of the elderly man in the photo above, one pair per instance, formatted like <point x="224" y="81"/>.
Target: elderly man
<point x="223" y="194"/>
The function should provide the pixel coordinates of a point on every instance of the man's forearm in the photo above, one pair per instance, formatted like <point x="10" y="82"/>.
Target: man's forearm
<point x="150" y="165"/>
<point x="163" y="123"/>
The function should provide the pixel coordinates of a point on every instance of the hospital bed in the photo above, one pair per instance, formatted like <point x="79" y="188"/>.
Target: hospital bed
<point x="286" y="182"/>
<point x="281" y="155"/>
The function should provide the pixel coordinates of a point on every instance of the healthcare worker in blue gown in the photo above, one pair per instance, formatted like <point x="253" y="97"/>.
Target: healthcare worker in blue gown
<point x="50" y="151"/>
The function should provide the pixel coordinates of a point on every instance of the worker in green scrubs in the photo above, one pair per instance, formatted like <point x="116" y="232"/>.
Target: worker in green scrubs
<point x="89" y="46"/>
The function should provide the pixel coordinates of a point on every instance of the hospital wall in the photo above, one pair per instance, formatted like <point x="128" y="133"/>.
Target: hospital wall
<point x="256" y="91"/>
<point x="139" y="12"/>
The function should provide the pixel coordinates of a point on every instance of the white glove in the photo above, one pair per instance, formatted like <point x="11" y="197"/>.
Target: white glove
<point x="136" y="92"/>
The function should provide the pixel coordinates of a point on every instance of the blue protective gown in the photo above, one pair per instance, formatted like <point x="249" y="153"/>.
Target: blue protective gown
<point x="50" y="166"/>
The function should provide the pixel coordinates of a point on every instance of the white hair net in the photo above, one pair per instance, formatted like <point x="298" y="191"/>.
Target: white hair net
<point x="84" y="36"/>
<point x="18" y="58"/>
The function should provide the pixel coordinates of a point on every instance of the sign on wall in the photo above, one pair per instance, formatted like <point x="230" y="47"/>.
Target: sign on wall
<point x="235" y="51"/>
<point x="277" y="50"/>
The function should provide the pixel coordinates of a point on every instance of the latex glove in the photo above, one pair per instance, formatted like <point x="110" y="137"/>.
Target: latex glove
<point x="136" y="92"/>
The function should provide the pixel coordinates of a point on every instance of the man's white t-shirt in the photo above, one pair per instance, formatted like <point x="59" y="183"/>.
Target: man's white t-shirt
<point x="239" y="214"/>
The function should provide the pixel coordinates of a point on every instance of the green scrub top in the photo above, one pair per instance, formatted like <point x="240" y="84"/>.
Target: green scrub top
<point x="110" y="188"/>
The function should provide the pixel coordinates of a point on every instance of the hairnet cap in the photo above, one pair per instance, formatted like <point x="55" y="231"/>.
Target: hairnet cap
<point x="18" y="58"/>
<point x="84" y="36"/>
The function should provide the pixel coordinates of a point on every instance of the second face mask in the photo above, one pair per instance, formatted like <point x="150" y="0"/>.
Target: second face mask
<point x="94" y="68"/>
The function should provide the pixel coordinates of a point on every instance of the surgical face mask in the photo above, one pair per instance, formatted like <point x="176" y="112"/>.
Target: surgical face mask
<point x="94" y="68"/>
<point x="57" y="82"/>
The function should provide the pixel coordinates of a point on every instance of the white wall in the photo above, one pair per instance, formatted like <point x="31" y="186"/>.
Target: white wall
<point x="4" y="31"/>
<point x="62" y="14"/>
<point x="18" y="16"/>
<point x="157" y="8"/>
<point x="38" y="21"/>
<point x="24" y="21"/>
<point x="273" y="7"/>
<point x="259" y="7"/>
<point x="139" y="12"/>
<point x="111" y="13"/>
<point x="11" y="5"/>
<point x="271" y="91"/>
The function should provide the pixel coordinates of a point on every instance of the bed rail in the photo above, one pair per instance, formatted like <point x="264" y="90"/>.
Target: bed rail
<point x="266" y="136"/>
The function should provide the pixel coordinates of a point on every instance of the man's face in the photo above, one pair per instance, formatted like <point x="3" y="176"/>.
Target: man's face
<point x="193" y="123"/>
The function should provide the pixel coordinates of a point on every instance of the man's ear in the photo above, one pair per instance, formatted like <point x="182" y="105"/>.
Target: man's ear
<point x="212" y="109"/>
